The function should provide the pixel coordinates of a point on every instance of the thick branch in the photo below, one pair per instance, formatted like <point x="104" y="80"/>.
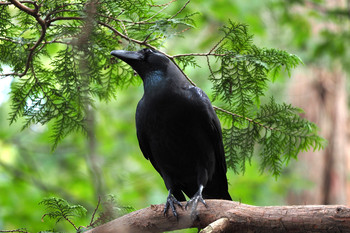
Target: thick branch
<point x="24" y="8"/>
<point x="241" y="217"/>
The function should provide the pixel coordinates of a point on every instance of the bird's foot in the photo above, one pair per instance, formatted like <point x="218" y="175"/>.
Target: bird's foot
<point x="171" y="202"/>
<point x="194" y="202"/>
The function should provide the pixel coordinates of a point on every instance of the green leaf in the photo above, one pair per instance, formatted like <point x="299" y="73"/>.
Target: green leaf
<point x="58" y="209"/>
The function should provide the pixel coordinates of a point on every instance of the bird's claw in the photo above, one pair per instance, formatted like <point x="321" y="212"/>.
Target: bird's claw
<point x="170" y="202"/>
<point x="194" y="202"/>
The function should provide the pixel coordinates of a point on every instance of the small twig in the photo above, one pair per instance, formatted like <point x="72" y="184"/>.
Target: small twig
<point x="75" y="227"/>
<point x="200" y="55"/>
<point x="210" y="53"/>
<point x="217" y="44"/>
<point x="65" y="18"/>
<point x="114" y="18"/>
<point x="58" y="11"/>
<point x="182" y="8"/>
<point x="196" y="54"/>
<point x="161" y="5"/>
<point x="157" y="13"/>
<point x="29" y="43"/>
<point x="211" y="71"/>
<point x="124" y="29"/>
<point x="93" y="214"/>
<point x="145" y="40"/>
<point x="10" y="40"/>
<point x="57" y="41"/>
<point x="124" y="36"/>
<point x="182" y="31"/>
<point x="243" y="117"/>
<point x="68" y="220"/>
<point x="17" y="230"/>
<point x="124" y="21"/>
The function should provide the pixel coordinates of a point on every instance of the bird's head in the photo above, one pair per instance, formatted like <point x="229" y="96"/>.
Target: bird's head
<point x="144" y="61"/>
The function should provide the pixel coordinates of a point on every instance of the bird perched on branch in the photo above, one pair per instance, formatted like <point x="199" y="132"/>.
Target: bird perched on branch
<point x="178" y="131"/>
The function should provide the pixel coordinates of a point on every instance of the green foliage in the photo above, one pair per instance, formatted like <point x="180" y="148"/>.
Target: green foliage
<point x="286" y="133"/>
<point x="280" y="132"/>
<point x="61" y="72"/>
<point x="239" y="83"/>
<point x="244" y="70"/>
<point x="58" y="209"/>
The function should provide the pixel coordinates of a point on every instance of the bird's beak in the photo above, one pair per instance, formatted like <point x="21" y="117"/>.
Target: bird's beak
<point x="128" y="56"/>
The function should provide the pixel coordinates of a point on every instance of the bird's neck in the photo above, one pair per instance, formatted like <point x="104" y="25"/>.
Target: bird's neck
<point x="153" y="80"/>
<point x="164" y="80"/>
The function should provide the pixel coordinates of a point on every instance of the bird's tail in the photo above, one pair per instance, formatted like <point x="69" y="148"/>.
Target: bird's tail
<point x="217" y="190"/>
<point x="222" y="195"/>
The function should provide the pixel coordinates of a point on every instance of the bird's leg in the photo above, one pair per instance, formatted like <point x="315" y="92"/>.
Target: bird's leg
<point x="170" y="202"/>
<point x="194" y="201"/>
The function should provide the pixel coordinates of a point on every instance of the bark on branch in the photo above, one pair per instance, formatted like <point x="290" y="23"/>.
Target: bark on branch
<point x="235" y="217"/>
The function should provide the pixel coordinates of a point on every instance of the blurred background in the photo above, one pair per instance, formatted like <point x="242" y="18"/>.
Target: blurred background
<point x="111" y="164"/>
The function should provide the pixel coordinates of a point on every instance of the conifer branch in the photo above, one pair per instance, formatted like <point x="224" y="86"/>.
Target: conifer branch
<point x="60" y="92"/>
<point x="58" y="208"/>
<point x="35" y="14"/>
<point x="243" y="117"/>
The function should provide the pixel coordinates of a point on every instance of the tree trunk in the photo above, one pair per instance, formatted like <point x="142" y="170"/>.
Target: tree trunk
<point x="322" y="94"/>
<point x="229" y="216"/>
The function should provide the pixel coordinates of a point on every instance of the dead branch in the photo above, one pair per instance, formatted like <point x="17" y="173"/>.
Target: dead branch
<point x="235" y="217"/>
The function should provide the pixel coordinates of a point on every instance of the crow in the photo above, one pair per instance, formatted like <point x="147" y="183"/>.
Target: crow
<point x="178" y="131"/>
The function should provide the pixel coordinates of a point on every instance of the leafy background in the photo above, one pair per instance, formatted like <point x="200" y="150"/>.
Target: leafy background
<point x="79" y="169"/>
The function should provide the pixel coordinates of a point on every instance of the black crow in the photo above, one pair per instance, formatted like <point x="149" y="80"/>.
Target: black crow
<point x="178" y="131"/>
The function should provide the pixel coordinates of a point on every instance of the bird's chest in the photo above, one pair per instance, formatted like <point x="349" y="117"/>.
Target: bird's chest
<point x="167" y="112"/>
<point x="168" y="120"/>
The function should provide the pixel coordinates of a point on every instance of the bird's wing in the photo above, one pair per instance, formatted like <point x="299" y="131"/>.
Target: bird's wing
<point x="217" y="136"/>
<point x="211" y="123"/>
<point x="142" y="137"/>
<point x="140" y="131"/>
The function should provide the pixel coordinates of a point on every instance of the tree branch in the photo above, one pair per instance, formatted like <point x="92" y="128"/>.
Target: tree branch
<point x="36" y="15"/>
<point x="244" y="117"/>
<point x="241" y="218"/>
<point x="23" y="230"/>
<point x="179" y="11"/>
<point x="24" y="8"/>
<point x="219" y="226"/>
<point x="10" y="3"/>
